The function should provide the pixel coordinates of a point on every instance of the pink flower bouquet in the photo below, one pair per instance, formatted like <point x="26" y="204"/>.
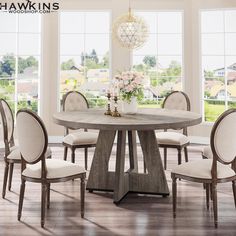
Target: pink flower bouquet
<point x="130" y="84"/>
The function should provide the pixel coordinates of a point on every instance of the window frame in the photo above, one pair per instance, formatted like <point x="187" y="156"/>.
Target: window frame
<point x="182" y="55"/>
<point x="201" y="55"/>
<point x="109" y="11"/>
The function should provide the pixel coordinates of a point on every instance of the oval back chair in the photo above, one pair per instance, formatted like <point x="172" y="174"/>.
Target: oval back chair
<point x="76" y="101"/>
<point x="220" y="169"/>
<point x="11" y="153"/>
<point x="33" y="142"/>
<point x="177" y="100"/>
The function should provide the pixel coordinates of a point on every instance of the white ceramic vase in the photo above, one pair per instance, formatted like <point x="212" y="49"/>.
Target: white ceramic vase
<point x="130" y="107"/>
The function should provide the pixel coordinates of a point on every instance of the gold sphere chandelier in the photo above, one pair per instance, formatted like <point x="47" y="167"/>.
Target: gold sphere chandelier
<point x="130" y="31"/>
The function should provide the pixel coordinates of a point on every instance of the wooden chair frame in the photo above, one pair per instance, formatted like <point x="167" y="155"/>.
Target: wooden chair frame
<point x="9" y="143"/>
<point x="45" y="182"/>
<point x="74" y="147"/>
<point x="210" y="184"/>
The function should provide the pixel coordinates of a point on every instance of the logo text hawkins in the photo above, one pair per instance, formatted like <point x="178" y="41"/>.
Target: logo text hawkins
<point x="29" y="7"/>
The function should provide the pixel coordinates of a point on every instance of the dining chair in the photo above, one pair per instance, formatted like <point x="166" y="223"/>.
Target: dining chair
<point x="33" y="142"/>
<point x="168" y="139"/>
<point x="75" y="101"/>
<point x="220" y="169"/>
<point x="12" y="153"/>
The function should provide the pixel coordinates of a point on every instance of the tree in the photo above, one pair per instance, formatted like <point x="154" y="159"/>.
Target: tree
<point x="150" y="61"/>
<point x="67" y="65"/>
<point x="105" y="60"/>
<point x="93" y="56"/>
<point x="171" y="73"/>
<point x="25" y="63"/>
<point x="7" y="65"/>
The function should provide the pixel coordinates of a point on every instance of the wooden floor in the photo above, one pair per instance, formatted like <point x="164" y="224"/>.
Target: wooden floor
<point x="136" y="215"/>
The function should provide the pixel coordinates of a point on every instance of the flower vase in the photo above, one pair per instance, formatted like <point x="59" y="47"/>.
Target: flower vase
<point x="130" y="107"/>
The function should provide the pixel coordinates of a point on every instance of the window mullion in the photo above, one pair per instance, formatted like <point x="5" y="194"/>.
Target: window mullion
<point x="16" y="64"/>
<point x="225" y="66"/>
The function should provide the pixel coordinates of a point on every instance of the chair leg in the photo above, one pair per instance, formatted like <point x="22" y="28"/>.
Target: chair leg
<point x="72" y="155"/>
<point x="234" y="191"/>
<point x="179" y="156"/>
<point x="165" y="158"/>
<point x="65" y="153"/>
<point x="48" y="196"/>
<point x="207" y="186"/>
<point x="10" y="176"/>
<point x="174" y="192"/>
<point x="214" y="198"/>
<point x="144" y="166"/>
<point x="5" y="180"/>
<point x="82" y="193"/>
<point x="211" y="192"/>
<point x="21" y="198"/>
<point x="186" y="154"/>
<point x="43" y="201"/>
<point x="86" y="158"/>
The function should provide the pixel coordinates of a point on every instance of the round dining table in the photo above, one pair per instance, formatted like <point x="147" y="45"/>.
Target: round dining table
<point x="142" y="124"/>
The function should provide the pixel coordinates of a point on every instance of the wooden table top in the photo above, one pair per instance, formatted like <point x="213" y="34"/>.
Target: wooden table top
<point x="144" y="119"/>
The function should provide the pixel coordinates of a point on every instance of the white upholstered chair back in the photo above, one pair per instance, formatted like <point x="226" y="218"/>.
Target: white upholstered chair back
<point x="177" y="100"/>
<point x="74" y="101"/>
<point x="223" y="137"/>
<point x="32" y="136"/>
<point x="7" y="120"/>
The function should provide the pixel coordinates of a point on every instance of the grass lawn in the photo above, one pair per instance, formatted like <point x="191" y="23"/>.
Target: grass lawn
<point x="212" y="111"/>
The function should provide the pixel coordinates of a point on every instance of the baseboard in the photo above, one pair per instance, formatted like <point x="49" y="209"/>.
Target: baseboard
<point x="193" y="139"/>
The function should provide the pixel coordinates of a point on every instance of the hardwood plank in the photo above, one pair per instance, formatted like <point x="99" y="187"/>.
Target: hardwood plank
<point x="139" y="214"/>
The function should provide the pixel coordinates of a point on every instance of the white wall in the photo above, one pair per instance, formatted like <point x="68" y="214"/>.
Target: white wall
<point x="121" y="57"/>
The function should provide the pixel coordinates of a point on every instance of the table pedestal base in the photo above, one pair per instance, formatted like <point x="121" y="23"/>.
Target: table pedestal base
<point x="121" y="182"/>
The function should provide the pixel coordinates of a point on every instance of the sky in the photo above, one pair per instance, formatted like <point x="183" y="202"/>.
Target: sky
<point x="84" y="31"/>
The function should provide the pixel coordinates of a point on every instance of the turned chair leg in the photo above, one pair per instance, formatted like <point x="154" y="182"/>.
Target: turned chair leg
<point x="179" y="156"/>
<point x="48" y="195"/>
<point x="144" y="166"/>
<point x="82" y="193"/>
<point x="5" y="180"/>
<point x="65" y="153"/>
<point x="10" y="176"/>
<point x="214" y="198"/>
<point x="72" y="155"/>
<point x="186" y="154"/>
<point x="234" y="191"/>
<point x="165" y="158"/>
<point x="207" y="186"/>
<point x="43" y="201"/>
<point x="86" y="158"/>
<point x="174" y="193"/>
<point x="21" y="198"/>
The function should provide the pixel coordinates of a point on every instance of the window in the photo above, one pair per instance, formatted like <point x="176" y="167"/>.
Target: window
<point x="218" y="32"/>
<point x="161" y="57"/>
<point x="84" y="54"/>
<point x="20" y="60"/>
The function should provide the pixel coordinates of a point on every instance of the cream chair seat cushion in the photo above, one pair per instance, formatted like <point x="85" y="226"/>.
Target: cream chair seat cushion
<point x="202" y="169"/>
<point x="15" y="153"/>
<point x="55" y="169"/>
<point x="172" y="138"/>
<point x="81" y="138"/>
<point x="207" y="152"/>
